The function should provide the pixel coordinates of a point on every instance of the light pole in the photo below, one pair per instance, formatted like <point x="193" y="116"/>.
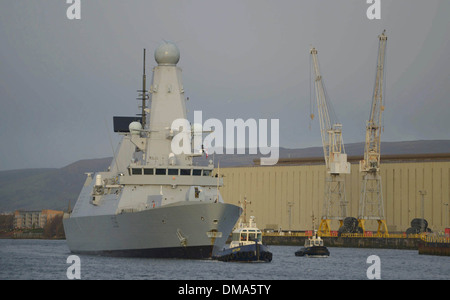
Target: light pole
<point x="290" y="204"/>
<point x="446" y="216"/>
<point x="423" y="193"/>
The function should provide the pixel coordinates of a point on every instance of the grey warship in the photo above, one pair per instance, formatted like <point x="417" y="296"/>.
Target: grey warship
<point x="152" y="202"/>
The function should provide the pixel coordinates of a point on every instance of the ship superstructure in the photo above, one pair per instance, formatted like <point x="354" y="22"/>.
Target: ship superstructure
<point x="153" y="202"/>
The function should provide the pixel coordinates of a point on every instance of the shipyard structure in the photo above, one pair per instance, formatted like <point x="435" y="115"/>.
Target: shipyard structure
<point x="290" y="195"/>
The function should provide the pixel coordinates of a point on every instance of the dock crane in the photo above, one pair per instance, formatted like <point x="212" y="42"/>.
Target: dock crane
<point x="334" y="153"/>
<point x="371" y="201"/>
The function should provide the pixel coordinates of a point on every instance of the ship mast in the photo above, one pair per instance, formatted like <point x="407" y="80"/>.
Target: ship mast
<point x="143" y="96"/>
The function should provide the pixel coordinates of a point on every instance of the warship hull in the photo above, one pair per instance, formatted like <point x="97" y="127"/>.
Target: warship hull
<point x="192" y="230"/>
<point x="154" y="200"/>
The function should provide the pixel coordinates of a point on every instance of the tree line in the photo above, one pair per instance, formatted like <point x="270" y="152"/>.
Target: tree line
<point x="53" y="229"/>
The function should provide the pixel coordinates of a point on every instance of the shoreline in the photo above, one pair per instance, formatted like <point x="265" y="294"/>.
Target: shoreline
<point x="17" y="235"/>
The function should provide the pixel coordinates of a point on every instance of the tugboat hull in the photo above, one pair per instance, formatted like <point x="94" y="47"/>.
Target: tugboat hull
<point x="247" y="253"/>
<point x="317" y="251"/>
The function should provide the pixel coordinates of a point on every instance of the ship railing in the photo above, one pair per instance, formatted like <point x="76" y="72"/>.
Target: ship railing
<point x="435" y="238"/>
<point x="347" y="235"/>
<point x="285" y="233"/>
<point x="289" y="233"/>
<point x="372" y="235"/>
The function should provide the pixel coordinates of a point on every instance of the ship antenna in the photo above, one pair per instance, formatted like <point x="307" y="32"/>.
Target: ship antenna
<point x="144" y="95"/>
<point x="218" y="178"/>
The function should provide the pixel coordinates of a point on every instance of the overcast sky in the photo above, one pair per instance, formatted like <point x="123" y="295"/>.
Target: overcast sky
<point x="62" y="81"/>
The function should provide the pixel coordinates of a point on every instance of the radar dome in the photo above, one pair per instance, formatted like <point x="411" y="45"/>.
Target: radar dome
<point x="167" y="54"/>
<point x="135" y="127"/>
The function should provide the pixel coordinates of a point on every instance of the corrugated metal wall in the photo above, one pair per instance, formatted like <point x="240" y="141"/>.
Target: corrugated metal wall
<point x="273" y="190"/>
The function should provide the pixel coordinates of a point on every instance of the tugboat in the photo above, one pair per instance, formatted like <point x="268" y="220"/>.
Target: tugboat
<point x="313" y="247"/>
<point x="246" y="245"/>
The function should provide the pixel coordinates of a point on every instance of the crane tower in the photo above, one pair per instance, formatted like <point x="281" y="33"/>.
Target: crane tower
<point x="371" y="201"/>
<point x="334" y="153"/>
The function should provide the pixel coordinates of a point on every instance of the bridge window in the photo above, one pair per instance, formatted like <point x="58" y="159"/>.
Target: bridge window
<point x="197" y="172"/>
<point x="259" y="236"/>
<point x="251" y="235"/>
<point x="160" y="172"/>
<point x="185" y="172"/>
<point x="136" y="171"/>
<point x="173" y="172"/>
<point x="148" y="171"/>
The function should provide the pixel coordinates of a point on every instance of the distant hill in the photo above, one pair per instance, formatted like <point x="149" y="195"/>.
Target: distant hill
<point x="36" y="189"/>
<point x="352" y="149"/>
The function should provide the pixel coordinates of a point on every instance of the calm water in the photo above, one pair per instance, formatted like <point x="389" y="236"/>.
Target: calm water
<point x="44" y="259"/>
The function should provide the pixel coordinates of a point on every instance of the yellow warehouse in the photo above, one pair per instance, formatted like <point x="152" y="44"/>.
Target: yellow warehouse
<point x="288" y="195"/>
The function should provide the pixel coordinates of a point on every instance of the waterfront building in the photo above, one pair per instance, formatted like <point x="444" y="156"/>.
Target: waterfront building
<point x="289" y="194"/>
<point x="34" y="219"/>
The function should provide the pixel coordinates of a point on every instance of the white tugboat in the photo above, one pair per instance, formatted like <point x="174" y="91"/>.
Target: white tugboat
<point x="246" y="245"/>
<point x="152" y="202"/>
<point x="314" y="247"/>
